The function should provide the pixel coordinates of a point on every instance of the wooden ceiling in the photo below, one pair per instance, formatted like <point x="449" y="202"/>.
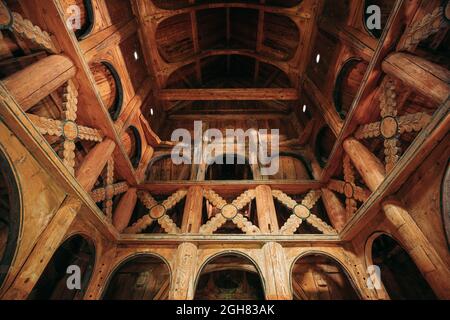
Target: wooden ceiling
<point x="260" y="47"/>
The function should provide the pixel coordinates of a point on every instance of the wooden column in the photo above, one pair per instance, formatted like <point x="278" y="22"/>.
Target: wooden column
<point x="335" y="209"/>
<point x="410" y="235"/>
<point x="265" y="207"/>
<point x="43" y="251"/>
<point x="192" y="216"/>
<point x="423" y="76"/>
<point x="93" y="164"/>
<point x="370" y="167"/>
<point x="184" y="273"/>
<point x="124" y="210"/>
<point x="276" y="272"/>
<point x="37" y="81"/>
<point x="433" y="268"/>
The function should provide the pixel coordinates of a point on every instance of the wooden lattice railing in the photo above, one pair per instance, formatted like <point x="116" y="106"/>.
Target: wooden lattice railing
<point x="302" y="213"/>
<point x="229" y="212"/>
<point x="157" y="213"/>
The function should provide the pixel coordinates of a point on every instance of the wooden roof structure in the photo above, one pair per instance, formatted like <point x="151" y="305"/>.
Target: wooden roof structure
<point x="91" y="92"/>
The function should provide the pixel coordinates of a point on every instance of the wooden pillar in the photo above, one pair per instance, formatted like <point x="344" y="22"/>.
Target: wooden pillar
<point x="192" y="216"/>
<point x="94" y="163"/>
<point x="335" y="209"/>
<point x="37" y="81"/>
<point x="423" y="76"/>
<point x="433" y="268"/>
<point x="276" y="272"/>
<point x="124" y="209"/>
<point x="370" y="167"/>
<point x="406" y="230"/>
<point x="184" y="273"/>
<point x="43" y="251"/>
<point x="265" y="207"/>
<point x="103" y="268"/>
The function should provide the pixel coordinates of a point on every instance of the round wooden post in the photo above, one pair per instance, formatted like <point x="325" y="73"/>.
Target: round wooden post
<point x="267" y="216"/>
<point x="37" y="81"/>
<point x="335" y="209"/>
<point x="124" y="209"/>
<point x="369" y="167"/>
<point x="276" y="272"/>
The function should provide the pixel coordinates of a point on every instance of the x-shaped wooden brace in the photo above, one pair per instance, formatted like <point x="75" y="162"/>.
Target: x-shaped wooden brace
<point x="157" y="212"/>
<point x="349" y="189"/>
<point x="25" y="28"/>
<point x="67" y="128"/>
<point x="392" y="126"/>
<point x="229" y="212"/>
<point x="107" y="193"/>
<point x="302" y="212"/>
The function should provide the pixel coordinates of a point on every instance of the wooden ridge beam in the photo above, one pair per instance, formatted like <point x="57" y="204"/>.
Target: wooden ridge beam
<point x="289" y="94"/>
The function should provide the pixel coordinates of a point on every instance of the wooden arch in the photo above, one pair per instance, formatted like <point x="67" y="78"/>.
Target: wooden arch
<point x="12" y="208"/>
<point x="332" y="258"/>
<point x="129" y="259"/>
<point x="225" y="253"/>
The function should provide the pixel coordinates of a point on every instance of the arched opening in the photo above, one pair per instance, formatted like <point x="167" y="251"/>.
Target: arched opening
<point x="399" y="274"/>
<point x="224" y="169"/>
<point x="324" y="145"/>
<point x="319" y="277"/>
<point x="164" y="169"/>
<point x="109" y="86"/>
<point x="347" y="85"/>
<point x="10" y="214"/>
<point x="86" y="16"/>
<point x="132" y="143"/>
<point x="292" y="167"/>
<point x="229" y="277"/>
<point x="145" y="277"/>
<point x="77" y="252"/>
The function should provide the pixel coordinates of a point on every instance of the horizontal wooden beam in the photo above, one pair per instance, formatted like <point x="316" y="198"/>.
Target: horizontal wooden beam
<point x="259" y="94"/>
<point x="232" y="187"/>
<point x="149" y="240"/>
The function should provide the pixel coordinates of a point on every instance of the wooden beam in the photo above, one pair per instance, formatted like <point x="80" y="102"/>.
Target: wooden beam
<point x="35" y="82"/>
<point x="429" y="79"/>
<point x="231" y="187"/>
<point x="289" y="94"/>
<point x="93" y="164"/>
<point x="325" y="106"/>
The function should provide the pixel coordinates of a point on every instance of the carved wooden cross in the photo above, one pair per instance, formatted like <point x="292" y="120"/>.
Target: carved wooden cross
<point x="302" y="213"/>
<point x="67" y="128"/>
<point x="349" y="189"/>
<point x="157" y="212"/>
<point x="229" y="212"/>
<point x="107" y="193"/>
<point x="391" y="125"/>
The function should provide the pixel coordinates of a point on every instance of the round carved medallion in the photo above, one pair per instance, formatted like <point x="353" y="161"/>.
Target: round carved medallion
<point x="157" y="212"/>
<point x="389" y="127"/>
<point x="302" y="212"/>
<point x="70" y="130"/>
<point x="229" y="211"/>
<point x="349" y="192"/>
